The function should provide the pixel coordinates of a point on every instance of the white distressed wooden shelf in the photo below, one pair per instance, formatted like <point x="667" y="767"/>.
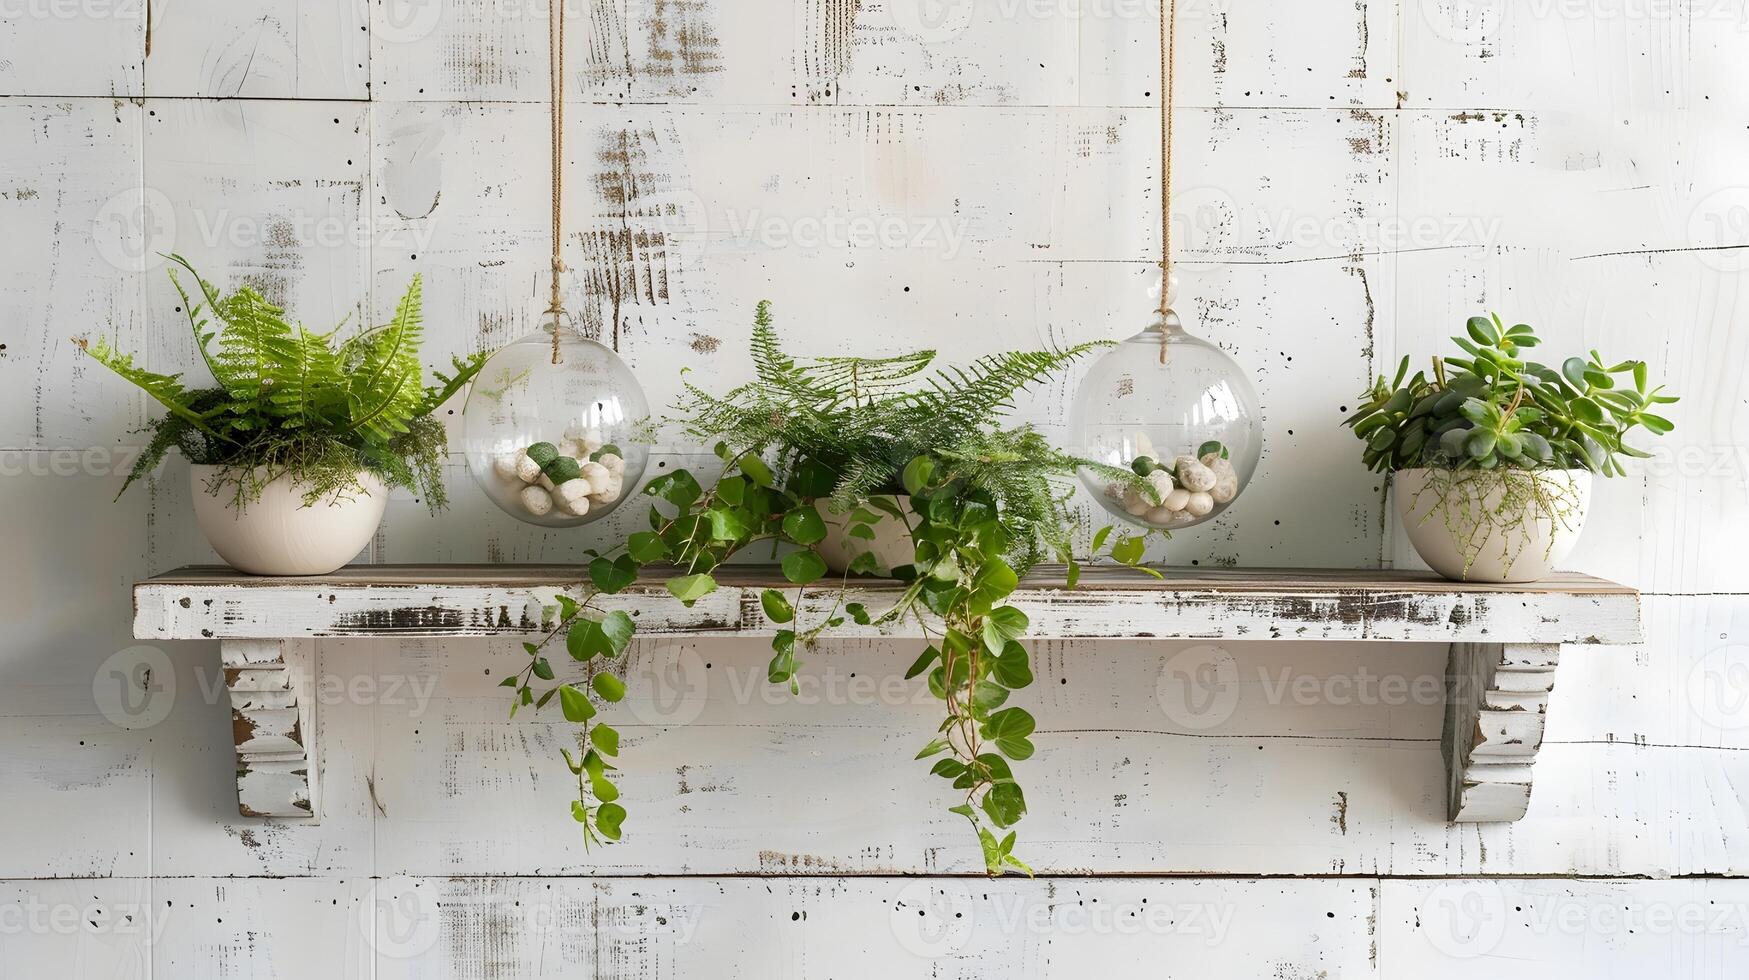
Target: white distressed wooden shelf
<point x="1504" y="640"/>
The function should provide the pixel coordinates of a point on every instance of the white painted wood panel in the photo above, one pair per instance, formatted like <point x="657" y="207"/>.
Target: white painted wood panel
<point x="78" y="232"/>
<point x="1111" y="603"/>
<point x="225" y="49"/>
<point x="266" y="191"/>
<point x="1319" y="54"/>
<point x="875" y="928"/>
<point x="56" y="49"/>
<point x="1573" y="56"/>
<point x="1328" y="753"/>
<point x="400" y="927"/>
<point x="1606" y="929"/>
<point x="1324" y="231"/>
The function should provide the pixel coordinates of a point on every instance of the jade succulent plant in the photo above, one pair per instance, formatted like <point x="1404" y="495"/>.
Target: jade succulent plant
<point x="1494" y="409"/>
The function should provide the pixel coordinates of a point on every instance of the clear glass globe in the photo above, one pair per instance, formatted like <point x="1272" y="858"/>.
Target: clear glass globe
<point x="1187" y="422"/>
<point x="556" y="443"/>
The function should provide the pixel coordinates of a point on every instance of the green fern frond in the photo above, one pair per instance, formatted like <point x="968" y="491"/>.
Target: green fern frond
<point x="868" y="373"/>
<point x="769" y="360"/>
<point x="387" y="390"/>
<point x="203" y="337"/>
<point x="257" y="349"/>
<point x="466" y="369"/>
<point x="307" y="392"/>
<point x="866" y="418"/>
<point x="165" y="388"/>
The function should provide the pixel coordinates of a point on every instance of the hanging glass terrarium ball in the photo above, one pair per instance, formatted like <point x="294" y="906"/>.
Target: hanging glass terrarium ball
<point x="551" y="432"/>
<point x="1173" y="412"/>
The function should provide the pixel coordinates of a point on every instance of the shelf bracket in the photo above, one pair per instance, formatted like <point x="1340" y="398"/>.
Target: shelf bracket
<point x="1496" y="702"/>
<point x="273" y="720"/>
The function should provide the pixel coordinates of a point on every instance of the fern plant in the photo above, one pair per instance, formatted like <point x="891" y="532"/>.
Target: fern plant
<point x="289" y="402"/>
<point x="868" y="440"/>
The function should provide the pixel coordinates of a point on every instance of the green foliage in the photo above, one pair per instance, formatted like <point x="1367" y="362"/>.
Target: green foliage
<point x="981" y="503"/>
<point x="289" y="402"/>
<point x="857" y="422"/>
<point x="1492" y="409"/>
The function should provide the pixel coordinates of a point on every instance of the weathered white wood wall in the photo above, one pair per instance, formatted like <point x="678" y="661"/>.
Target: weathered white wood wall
<point x="1356" y="178"/>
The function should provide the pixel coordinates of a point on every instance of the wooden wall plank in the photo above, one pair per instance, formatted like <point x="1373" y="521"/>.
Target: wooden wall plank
<point x="80" y="233"/>
<point x="57" y="50"/>
<point x="1516" y="928"/>
<point x="227" y="49"/>
<point x="1356" y="178"/>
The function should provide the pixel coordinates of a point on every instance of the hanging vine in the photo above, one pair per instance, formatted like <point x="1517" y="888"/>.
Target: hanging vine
<point x="865" y="441"/>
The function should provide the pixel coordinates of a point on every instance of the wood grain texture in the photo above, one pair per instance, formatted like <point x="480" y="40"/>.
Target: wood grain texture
<point x="1497" y="700"/>
<point x="274" y="724"/>
<point x="1112" y="603"/>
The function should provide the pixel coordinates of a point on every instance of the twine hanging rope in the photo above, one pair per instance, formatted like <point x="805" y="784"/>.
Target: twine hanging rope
<point x="556" y="41"/>
<point x="1168" y="79"/>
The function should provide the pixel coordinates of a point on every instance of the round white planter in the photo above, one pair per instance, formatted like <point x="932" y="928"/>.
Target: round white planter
<point x="278" y="535"/>
<point x="1454" y="517"/>
<point x="891" y="544"/>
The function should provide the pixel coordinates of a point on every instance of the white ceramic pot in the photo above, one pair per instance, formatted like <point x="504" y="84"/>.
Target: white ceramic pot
<point x="278" y="535"/>
<point x="891" y="544"/>
<point x="1470" y="526"/>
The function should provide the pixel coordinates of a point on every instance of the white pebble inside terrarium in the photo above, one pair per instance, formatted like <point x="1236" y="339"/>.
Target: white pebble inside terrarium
<point x="1180" y="491"/>
<point x="555" y="444"/>
<point x="1174" y="423"/>
<point x="574" y="476"/>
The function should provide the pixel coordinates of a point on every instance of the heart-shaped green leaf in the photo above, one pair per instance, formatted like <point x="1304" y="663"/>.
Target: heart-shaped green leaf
<point x="1002" y="626"/>
<point x="611" y="688"/>
<point x="803" y="567"/>
<point x="777" y="608"/>
<point x="575" y="704"/>
<point x="609" y="817"/>
<point x="691" y="588"/>
<point x="804" y="525"/>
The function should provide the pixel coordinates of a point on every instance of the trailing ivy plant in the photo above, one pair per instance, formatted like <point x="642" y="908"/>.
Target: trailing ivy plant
<point x="1491" y="425"/>
<point x="862" y="441"/>
<point x="291" y="402"/>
